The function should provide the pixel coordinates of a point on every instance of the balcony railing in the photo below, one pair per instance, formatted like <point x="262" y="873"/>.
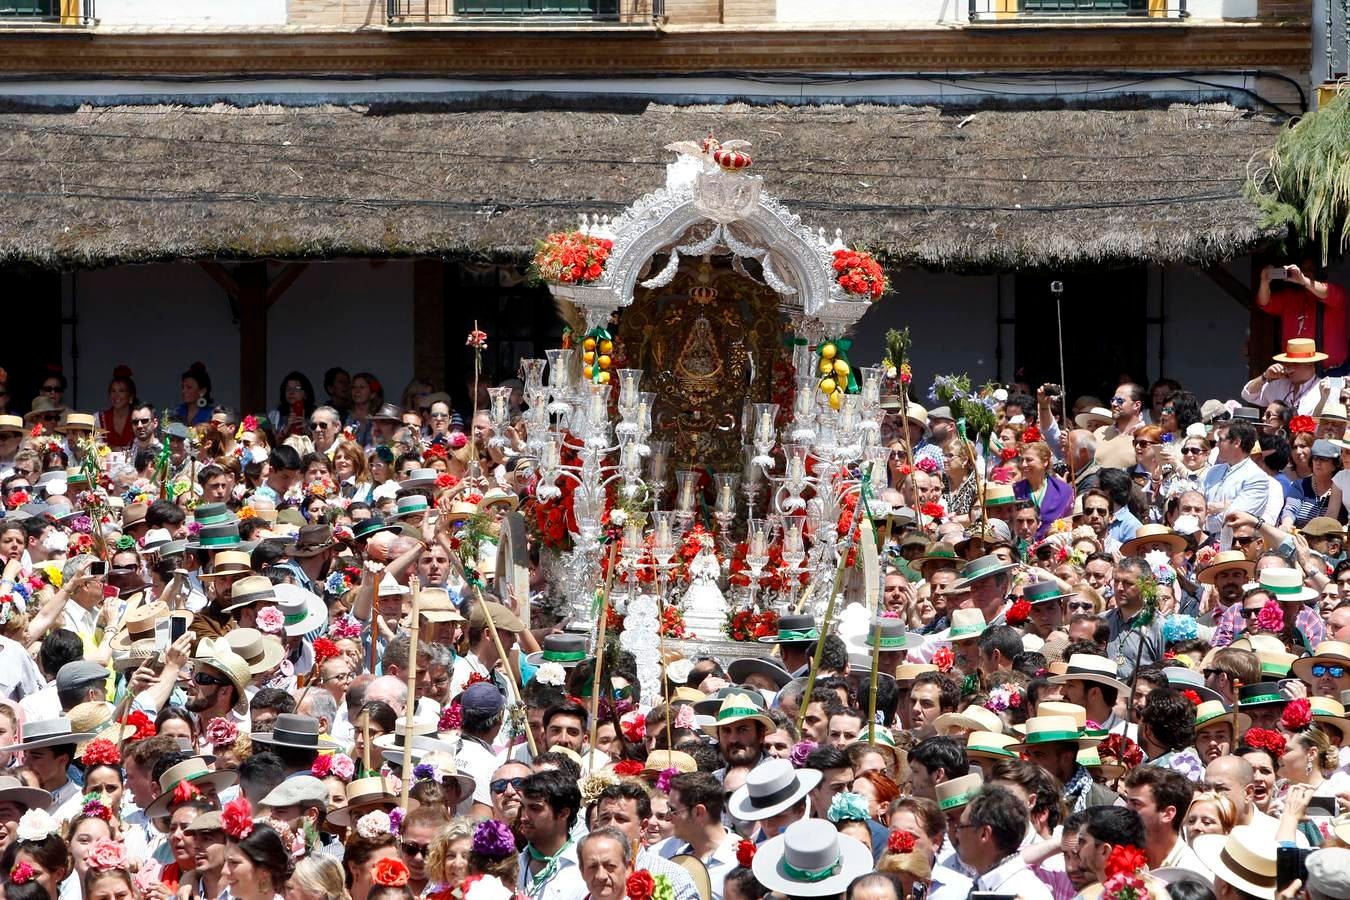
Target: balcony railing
<point x="524" y="12"/>
<point x="1049" y="10"/>
<point x="46" y="12"/>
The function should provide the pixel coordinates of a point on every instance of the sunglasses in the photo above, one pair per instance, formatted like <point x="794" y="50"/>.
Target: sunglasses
<point x="1255" y="610"/>
<point x="1192" y="451"/>
<point x="141" y="421"/>
<point x="1080" y="606"/>
<point x="1138" y="445"/>
<point x="1096" y="511"/>
<point x="320" y="425"/>
<point x="1118" y="401"/>
<point x="1243" y="541"/>
<point x="500" y="785"/>
<point x="1321" y="671"/>
<point x="50" y="389"/>
<point x="436" y="415"/>
<point x="411" y="849"/>
<point x="205" y="680"/>
<point x="17" y="487"/>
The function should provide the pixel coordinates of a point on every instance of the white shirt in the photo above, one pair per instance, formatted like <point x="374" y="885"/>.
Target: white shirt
<point x="41" y="705"/>
<point x="478" y="762"/>
<point x="81" y="621"/>
<point x="19" y="675"/>
<point x="1304" y="398"/>
<point x="947" y="883"/>
<point x="67" y="801"/>
<point x="1183" y="857"/>
<point x="464" y="667"/>
<point x="564" y="884"/>
<point x="718" y="863"/>
<point x="1012" y="876"/>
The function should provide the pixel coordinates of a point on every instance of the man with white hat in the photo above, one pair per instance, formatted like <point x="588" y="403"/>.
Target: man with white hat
<point x="774" y="794"/>
<point x="810" y="859"/>
<point x="1243" y="863"/>
<point x="49" y="749"/>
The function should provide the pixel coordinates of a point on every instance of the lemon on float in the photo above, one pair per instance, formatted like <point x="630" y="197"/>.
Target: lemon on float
<point x="836" y="399"/>
<point x="588" y="357"/>
<point x="827" y="386"/>
<point x="606" y="346"/>
<point x="588" y="344"/>
<point x="604" y="378"/>
<point x="588" y="372"/>
<point x="828" y="351"/>
<point x="604" y="362"/>
<point x="841" y="369"/>
<point x="826" y="367"/>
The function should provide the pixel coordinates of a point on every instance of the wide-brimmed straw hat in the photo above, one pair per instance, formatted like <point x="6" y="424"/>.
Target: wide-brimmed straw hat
<point x="907" y="672"/>
<point x="738" y="707"/>
<point x="1328" y="653"/>
<point x="364" y="795"/>
<point x="1040" y="730"/>
<point x="972" y="718"/>
<point x="1286" y="585"/>
<point x="1328" y="713"/>
<point x="1217" y="712"/>
<point x="1300" y="350"/>
<point x="294" y="730"/>
<point x="11" y="424"/>
<point x="1244" y="858"/>
<point x="955" y="793"/>
<point x="966" y="625"/>
<point x="1224" y="560"/>
<point x="260" y="652"/>
<point x="194" y="772"/>
<point x="1087" y="667"/>
<point x="1094" y="418"/>
<point x="225" y="662"/>
<point x="1153" y="534"/>
<point x="139" y="625"/>
<point x="810" y="858"/>
<point x="771" y="787"/>
<point x="659" y="760"/>
<point x="990" y="745"/>
<point x="250" y="590"/>
<point x="229" y="562"/>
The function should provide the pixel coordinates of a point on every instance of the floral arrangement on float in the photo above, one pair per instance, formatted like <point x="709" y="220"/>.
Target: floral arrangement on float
<point x="570" y="257"/>
<point x="860" y="275"/>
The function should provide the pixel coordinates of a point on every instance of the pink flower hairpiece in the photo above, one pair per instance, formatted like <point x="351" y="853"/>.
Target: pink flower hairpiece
<point x="685" y="718"/>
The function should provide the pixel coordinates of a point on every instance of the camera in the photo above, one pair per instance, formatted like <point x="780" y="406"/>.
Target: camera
<point x="1052" y="390"/>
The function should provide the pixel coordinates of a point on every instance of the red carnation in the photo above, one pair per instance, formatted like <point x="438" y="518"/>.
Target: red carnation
<point x="626" y="768"/>
<point x="1018" y="613"/>
<point x="944" y="659"/>
<point x="100" y="752"/>
<point x="324" y="650"/>
<point x="236" y="819"/>
<point x="1191" y="696"/>
<point x="185" y="791"/>
<point x="932" y="510"/>
<point x="745" y="854"/>
<point x="1302" y="425"/>
<point x="1125" y="860"/>
<point x="900" y="842"/>
<point x="476" y="678"/>
<point x="1008" y="454"/>
<point x="1265" y="739"/>
<point x="1297" y="715"/>
<point x="145" y="728"/>
<point x="451" y="718"/>
<point x="1032" y="433"/>
<point x="641" y="885"/>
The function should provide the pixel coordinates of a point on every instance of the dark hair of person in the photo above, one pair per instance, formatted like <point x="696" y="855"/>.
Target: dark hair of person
<point x="628" y="790"/>
<point x="176" y="712"/>
<point x="265" y="769"/>
<point x="1185" y="407"/>
<point x="538" y="695"/>
<point x="926" y="812"/>
<point x="359" y="849"/>
<point x="381" y="714"/>
<point x="707" y="757"/>
<point x="1276" y="451"/>
<point x="1169" y="788"/>
<point x="1244" y="433"/>
<point x="703" y="789"/>
<point x="1186" y="889"/>
<point x="1003" y="638"/>
<point x="51" y="853"/>
<point x="949" y="689"/>
<point x="1153" y="676"/>
<point x="1118" y="826"/>
<point x="1170" y="718"/>
<point x="941" y="752"/>
<point x="1044" y="788"/>
<point x="1003" y="812"/>
<point x="878" y="880"/>
<point x="560" y="762"/>
<point x="888" y="699"/>
<point x="1030" y="663"/>
<point x="558" y="790"/>
<point x="567" y="708"/>
<point x="59" y="647"/>
<point x="197" y="372"/>
<point x="272" y="698"/>
<point x="29" y="890"/>
<point x="306" y="388"/>
<point x="167" y="761"/>
<point x="746" y="884"/>
<point x="266" y="850"/>
<point x="285" y="458"/>
<point x="164" y="513"/>
<point x="330" y="377"/>
<point x="835" y="654"/>
<point x="825" y="758"/>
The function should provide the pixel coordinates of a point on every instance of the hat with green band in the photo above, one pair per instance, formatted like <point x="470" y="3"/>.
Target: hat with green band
<point x="890" y="634"/>
<point x="564" y="649"/>
<point x="980" y="568"/>
<point x="737" y="707"/>
<point x="1214" y="711"/>
<point x="794" y="630"/>
<point x="810" y="858"/>
<point x="1041" y="730"/>
<point x="967" y="625"/>
<point x="1089" y="758"/>
<point x="1286" y="585"/>
<point x="989" y="745"/>
<point x="221" y="536"/>
<point x="999" y="494"/>
<point x="302" y="611"/>
<point x="211" y="514"/>
<point x="1275" y="665"/>
<point x="411" y="505"/>
<point x="1263" y="693"/>
<point x="957" y="792"/>
<point x="940" y="555"/>
<point x="1044" y="591"/>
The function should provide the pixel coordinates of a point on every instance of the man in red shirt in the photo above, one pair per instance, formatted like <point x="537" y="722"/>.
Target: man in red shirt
<point x="1285" y="291"/>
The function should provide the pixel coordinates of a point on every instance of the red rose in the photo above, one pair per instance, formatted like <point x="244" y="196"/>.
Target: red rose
<point x="745" y="854"/>
<point x="101" y="751"/>
<point x="1125" y="860"/>
<point x="1297" y="715"/>
<point x="145" y="728"/>
<point x="626" y="768"/>
<point x="641" y="885"/>
<point x="900" y="842"/>
<point x="1018" y="613"/>
<point x="390" y="873"/>
<point x="236" y="819"/>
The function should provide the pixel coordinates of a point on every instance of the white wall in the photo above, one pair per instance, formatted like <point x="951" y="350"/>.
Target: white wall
<point x="159" y="319"/>
<point x="235" y="13"/>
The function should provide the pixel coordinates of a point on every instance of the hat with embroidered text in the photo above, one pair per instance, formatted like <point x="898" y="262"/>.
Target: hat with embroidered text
<point x="955" y="793"/>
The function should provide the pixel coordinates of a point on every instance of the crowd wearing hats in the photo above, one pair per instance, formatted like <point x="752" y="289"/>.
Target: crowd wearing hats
<point x="1107" y="653"/>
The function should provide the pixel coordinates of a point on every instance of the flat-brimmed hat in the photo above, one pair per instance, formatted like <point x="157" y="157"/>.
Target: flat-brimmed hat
<point x="368" y="528"/>
<point x="1058" y="708"/>
<point x="388" y="412"/>
<point x="659" y="760"/>
<point x="12" y="790"/>
<point x="996" y="495"/>
<point x="43" y="406"/>
<point x="219" y="536"/>
<point x="49" y="733"/>
<point x="990" y="745"/>
<point x="939" y="555"/>
<point x="794" y="630"/>
<point x="955" y="793"/>
<point x="95" y="718"/>
<point x="972" y="718"/>
<point x="890" y="634"/>
<point x="1041" y="730"/>
<point x="134" y="514"/>
<point x="250" y="590"/>
<point x="1286" y="585"/>
<point x="978" y="569"/>
<point x="127" y="581"/>
<point x="1089" y="758"/>
<point x="139" y="625"/>
<point x="260" y="652"/>
<point x="1224" y="560"/>
<point x="194" y="772"/>
<point x="1263" y="693"/>
<point x="420" y="478"/>
<point x="78" y="421"/>
<point x="229" y="562"/>
<point x="1328" y="713"/>
<point x="434" y="605"/>
<point x="1300" y="350"/>
<point x="363" y="795"/>
<point x="1244" y="858"/>
<point x="497" y="495"/>
<point x="411" y="505"/>
<point x="907" y="672"/>
<point x="967" y="625"/>
<point x="1216" y="711"/>
<point x="567" y="650"/>
<point x="737" y="706"/>
<point x="294" y="730"/>
<point x="1044" y="592"/>
<point x="302" y="611"/>
<point x="1094" y="418"/>
<point x="1153" y="534"/>
<point x="11" y="424"/>
<point x="771" y="787"/>
<point x="1184" y="679"/>
<point x="1328" y="653"/>
<point x="1275" y="664"/>
<point x="139" y="653"/>
<point x="810" y="858"/>
<point x="311" y="541"/>
<point x="1097" y="669"/>
<point x="740" y="669"/>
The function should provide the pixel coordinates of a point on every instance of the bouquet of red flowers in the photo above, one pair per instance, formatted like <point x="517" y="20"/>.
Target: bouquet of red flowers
<point x="750" y="625"/>
<point x="570" y="257"/>
<point x="859" y="274"/>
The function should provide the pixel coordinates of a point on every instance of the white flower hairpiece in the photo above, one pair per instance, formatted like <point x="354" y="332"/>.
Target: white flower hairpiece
<point x="594" y="783"/>
<point x="373" y="824"/>
<point x="489" y="887"/>
<point x="551" y="673"/>
<point x="36" y="825"/>
<point x="679" y="670"/>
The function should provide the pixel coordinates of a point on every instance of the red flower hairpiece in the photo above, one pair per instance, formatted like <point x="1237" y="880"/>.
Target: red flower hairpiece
<point x="1297" y="714"/>
<point x="1031" y="434"/>
<point x="476" y="678"/>
<point x="390" y="873"/>
<point x="1302" y="425"/>
<point x="435" y="451"/>
<point x="641" y="885"/>
<point x="1265" y="739"/>
<point x="445" y="481"/>
<point x="1008" y="454"/>
<point x="236" y="819"/>
<point x="900" y="842"/>
<point x="185" y="791"/>
<point x="1018" y="613"/>
<point x="100" y="752"/>
<point x="745" y="854"/>
<point x="944" y="659"/>
<point x="144" y="725"/>
<point x="932" y="510"/>
<point x="1125" y="860"/>
<point x="1191" y="696"/>
<point x="625" y="768"/>
<point x="324" y="650"/>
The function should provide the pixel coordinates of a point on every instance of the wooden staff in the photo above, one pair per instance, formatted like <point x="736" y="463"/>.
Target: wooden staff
<point x="876" y="655"/>
<point x="415" y="586"/>
<point x="365" y="745"/>
<point x="600" y="651"/>
<point x="909" y="455"/>
<point x="829" y="608"/>
<point x="513" y="687"/>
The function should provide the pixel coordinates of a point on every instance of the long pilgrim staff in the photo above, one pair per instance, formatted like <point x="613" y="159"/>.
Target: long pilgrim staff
<point x="600" y="651"/>
<point x="415" y="586"/>
<point x="866" y="525"/>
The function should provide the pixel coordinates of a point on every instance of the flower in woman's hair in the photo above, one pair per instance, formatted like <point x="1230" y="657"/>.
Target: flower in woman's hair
<point x="458" y="440"/>
<point x="1271" y="617"/>
<point x="396" y="819"/>
<point x="640" y="885"/>
<point x="1297" y="715"/>
<point x="94" y="809"/>
<point x="944" y="659"/>
<point x="627" y="768"/>
<point x="345" y="628"/>
<point x="343" y="767"/>
<point x="373" y="824"/>
<point x="1178" y="628"/>
<point x="1004" y="697"/>
<point x="1031" y="434"/>
<point x="1302" y="425"/>
<point x="270" y="620"/>
<point x="236" y="819"/>
<point x="390" y="872"/>
<point x="21" y="873"/>
<point x="322" y="766"/>
<point x="451" y="718"/>
<point x="685" y="717"/>
<point x="144" y="725"/>
<point x="800" y="751"/>
<point x="900" y="842"/>
<point x="551" y="673"/>
<point x="847" y="806"/>
<point x="493" y="839"/>
<point x="745" y="854"/>
<point x="324" y="650"/>
<point x="634" y="726"/>
<point x="1192" y="696"/>
<point x="106" y="855"/>
<point x="36" y="825"/>
<point x="100" y="752"/>
<point x="1266" y="739"/>
<point x="184" y="791"/>
<point x="1018" y="613"/>
<point x="424" y="772"/>
<point x="595" y="782"/>
<point x="221" y="731"/>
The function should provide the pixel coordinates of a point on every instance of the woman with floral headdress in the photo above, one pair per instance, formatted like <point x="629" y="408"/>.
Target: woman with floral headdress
<point x="371" y="846"/>
<point x="108" y="876"/>
<point x="37" y="855"/>
<point x="82" y="833"/>
<point x="258" y="854"/>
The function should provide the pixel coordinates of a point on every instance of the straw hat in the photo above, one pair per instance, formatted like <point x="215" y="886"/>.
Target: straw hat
<point x="996" y="494"/>
<point x="434" y="605"/>
<point x="770" y="788"/>
<point x="659" y="760"/>
<point x="980" y="568"/>
<point x="1286" y="585"/>
<point x="1153" y="534"/>
<point x="972" y="718"/>
<point x="1244" y="858"/>
<point x="1328" y="653"/>
<point x="957" y="792"/>
<point x="907" y="672"/>
<point x="1225" y="560"/>
<point x="1094" y="418"/>
<point x="229" y="562"/>
<point x="363" y="795"/>
<point x="1300" y="350"/>
<point x="1096" y="669"/>
<point x="940" y="554"/>
<point x="192" y="771"/>
<point x="411" y="505"/>
<point x="139" y="625"/>
<point x="1329" y="713"/>
<point x="497" y="495"/>
<point x="1041" y="730"/>
<point x="228" y="665"/>
<point x="966" y="625"/>
<point x="250" y="590"/>
<point x="260" y="652"/>
<point x="1217" y="712"/>
<point x="78" y="421"/>
<point x="990" y="745"/>
<point x="140" y="652"/>
<point x="810" y="858"/>
<point x="11" y="424"/>
<point x="94" y="718"/>
<point x="738" y="707"/>
<point x="50" y="733"/>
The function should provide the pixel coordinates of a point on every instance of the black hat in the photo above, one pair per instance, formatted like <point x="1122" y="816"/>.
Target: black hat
<point x="1263" y="693"/>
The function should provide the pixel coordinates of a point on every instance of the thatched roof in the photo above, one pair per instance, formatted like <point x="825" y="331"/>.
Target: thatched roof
<point x="997" y="189"/>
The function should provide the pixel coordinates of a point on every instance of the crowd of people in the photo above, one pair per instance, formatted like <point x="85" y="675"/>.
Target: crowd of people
<point x="266" y="655"/>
